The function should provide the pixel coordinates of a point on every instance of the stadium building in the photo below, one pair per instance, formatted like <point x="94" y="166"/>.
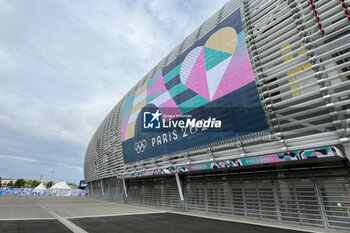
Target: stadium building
<point x="269" y="84"/>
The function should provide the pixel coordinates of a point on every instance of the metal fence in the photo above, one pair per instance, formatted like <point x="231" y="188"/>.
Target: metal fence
<point x="314" y="196"/>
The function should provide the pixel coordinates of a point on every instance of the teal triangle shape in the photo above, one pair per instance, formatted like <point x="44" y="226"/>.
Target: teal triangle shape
<point x="214" y="57"/>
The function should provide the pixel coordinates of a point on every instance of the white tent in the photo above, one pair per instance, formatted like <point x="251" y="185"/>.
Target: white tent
<point x="60" y="189"/>
<point x="39" y="190"/>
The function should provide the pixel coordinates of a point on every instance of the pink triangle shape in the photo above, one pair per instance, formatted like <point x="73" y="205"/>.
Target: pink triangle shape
<point x="238" y="74"/>
<point x="197" y="80"/>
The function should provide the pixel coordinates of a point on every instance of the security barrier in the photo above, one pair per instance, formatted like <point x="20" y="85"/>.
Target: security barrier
<point x="314" y="196"/>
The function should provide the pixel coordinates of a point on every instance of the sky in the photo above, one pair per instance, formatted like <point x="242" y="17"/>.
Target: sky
<point x="64" y="64"/>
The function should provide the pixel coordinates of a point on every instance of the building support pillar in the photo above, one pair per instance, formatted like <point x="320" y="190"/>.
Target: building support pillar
<point x="102" y="189"/>
<point x="179" y="186"/>
<point x="90" y="186"/>
<point x="321" y="204"/>
<point x="347" y="150"/>
<point x="125" y="191"/>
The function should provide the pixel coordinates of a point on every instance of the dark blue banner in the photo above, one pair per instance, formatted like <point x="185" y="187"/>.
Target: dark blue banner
<point x="208" y="94"/>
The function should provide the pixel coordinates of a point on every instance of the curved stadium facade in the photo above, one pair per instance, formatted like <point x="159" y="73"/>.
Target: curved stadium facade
<point x="277" y="76"/>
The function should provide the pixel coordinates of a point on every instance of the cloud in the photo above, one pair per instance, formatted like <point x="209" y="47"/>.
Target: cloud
<point x="69" y="166"/>
<point x="65" y="64"/>
<point x="16" y="158"/>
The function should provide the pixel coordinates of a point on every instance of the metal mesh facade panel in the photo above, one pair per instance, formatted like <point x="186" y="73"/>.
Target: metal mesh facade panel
<point x="155" y="192"/>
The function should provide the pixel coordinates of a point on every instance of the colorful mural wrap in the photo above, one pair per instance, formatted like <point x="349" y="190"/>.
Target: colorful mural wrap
<point x="274" y="158"/>
<point x="214" y="72"/>
<point x="10" y="191"/>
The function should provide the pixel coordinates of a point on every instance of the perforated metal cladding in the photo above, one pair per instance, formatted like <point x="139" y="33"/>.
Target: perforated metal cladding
<point x="301" y="63"/>
<point x="302" y="74"/>
<point x="104" y="154"/>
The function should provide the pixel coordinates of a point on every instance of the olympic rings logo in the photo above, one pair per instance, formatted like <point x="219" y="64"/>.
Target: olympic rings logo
<point x="140" y="146"/>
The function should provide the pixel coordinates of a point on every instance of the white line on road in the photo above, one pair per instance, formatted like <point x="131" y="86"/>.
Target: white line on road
<point x="71" y="226"/>
<point x="21" y="205"/>
<point x="112" y="215"/>
<point x="71" y="204"/>
<point x="25" y="219"/>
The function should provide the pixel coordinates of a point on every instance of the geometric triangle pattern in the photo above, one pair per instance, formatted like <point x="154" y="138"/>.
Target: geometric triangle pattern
<point x="197" y="76"/>
<point x="204" y="66"/>
<point x="213" y="57"/>
<point x="215" y="75"/>
<point x="189" y="63"/>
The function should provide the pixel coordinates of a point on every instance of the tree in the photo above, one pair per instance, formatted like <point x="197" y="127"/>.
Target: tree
<point x="0" y="181"/>
<point x="72" y="185"/>
<point x="9" y="184"/>
<point x="28" y="183"/>
<point x="49" y="184"/>
<point x="19" y="183"/>
<point x="34" y="183"/>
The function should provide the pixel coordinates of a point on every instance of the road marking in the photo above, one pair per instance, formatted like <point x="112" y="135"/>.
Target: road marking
<point x="112" y="215"/>
<point x="21" y="205"/>
<point x="25" y="219"/>
<point x="71" y="226"/>
<point x="99" y="204"/>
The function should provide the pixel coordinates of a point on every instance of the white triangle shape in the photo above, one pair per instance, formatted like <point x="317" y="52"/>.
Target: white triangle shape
<point x="215" y="74"/>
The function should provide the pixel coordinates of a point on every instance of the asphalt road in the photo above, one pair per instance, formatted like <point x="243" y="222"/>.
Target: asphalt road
<point x="33" y="226"/>
<point x="169" y="223"/>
